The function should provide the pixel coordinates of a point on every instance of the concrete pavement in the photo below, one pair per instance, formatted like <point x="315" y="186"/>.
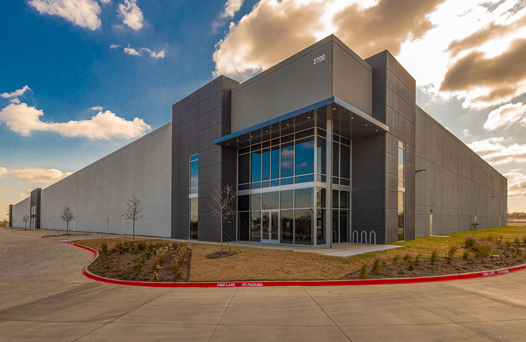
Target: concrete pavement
<point x="44" y="297"/>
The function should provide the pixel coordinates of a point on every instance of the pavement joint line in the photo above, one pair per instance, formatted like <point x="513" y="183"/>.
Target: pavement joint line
<point x="326" y="314"/>
<point x="487" y="297"/>
<point x="44" y="298"/>
<point x="439" y="315"/>
<point x="223" y="315"/>
<point x="120" y="316"/>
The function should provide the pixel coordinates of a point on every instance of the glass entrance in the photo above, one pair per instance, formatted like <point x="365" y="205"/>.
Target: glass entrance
<point x="270" y="226"/>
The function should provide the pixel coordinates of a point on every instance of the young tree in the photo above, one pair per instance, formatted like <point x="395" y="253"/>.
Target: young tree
<point x="25" y="219"/>
<point x="222" y="206"/>
<point x="67" y="216"/>
<point x="134" y="212"/>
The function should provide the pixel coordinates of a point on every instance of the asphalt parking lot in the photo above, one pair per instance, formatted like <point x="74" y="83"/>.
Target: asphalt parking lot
<point x="44" y="297"/>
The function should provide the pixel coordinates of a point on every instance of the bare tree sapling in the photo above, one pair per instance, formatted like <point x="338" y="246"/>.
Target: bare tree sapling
<point x="25" y="219"/>
<point x="134" y="212"/>
<point x="222" y="206"/>
<point x="67" y="216"/>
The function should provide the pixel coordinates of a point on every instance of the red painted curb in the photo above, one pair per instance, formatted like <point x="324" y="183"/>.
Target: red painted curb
<point x="390" y="281"/>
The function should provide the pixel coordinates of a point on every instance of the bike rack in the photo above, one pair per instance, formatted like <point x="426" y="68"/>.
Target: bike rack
<point x="370" y="237"/>
<point x="362" y="240"/>
<point x="353" y="240"/>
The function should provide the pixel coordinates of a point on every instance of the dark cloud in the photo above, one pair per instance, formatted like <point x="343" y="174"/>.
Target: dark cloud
<point x="490" y="7"/>
<point x="517" y="7"/>
<point x="492" y="31"/>
<point x="276" y="29"/>
<point x="497" y="73"/>
<point x="385" y="25"/>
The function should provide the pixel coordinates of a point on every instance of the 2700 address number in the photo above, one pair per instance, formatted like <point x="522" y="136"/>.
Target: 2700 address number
<point x="319" y="59"/>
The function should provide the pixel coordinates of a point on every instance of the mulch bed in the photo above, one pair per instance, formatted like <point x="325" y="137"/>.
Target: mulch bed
<point x="502" y="255"/>
<point x="139" y="265"/>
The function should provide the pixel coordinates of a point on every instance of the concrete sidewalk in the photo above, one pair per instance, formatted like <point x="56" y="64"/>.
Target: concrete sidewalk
<point x="44" y="297"/>
<point x="342" y="250"/>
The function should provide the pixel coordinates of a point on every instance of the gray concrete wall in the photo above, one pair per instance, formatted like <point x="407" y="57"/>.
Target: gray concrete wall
<point x="100" y="191"/>
<point x="19" y="210"/>
<point x="290" y="85"/>
<point x="394" y="104"/>
<point x="198" y="120"/>
<point x="352" y="78"/>
<point x="457" y="183"/>
<point x="298" y="82"/>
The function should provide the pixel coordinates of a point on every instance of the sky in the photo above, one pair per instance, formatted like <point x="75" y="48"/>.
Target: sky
<point x="82" y="78"/>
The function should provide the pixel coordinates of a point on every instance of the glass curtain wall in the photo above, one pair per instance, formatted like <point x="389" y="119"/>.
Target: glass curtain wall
<point x="296" y="215"/>
<point x="294" y="164"/>
<point x="193" y="195"/>
<point x="341" y="215"/>
<point x="401" y="191"/>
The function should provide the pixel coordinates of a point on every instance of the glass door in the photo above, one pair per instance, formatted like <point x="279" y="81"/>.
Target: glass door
<point x="270" y="226"/>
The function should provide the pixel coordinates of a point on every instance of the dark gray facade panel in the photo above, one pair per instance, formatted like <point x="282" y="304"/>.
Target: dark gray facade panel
<point x="204" y="116"/>
<point x="10" y="215"/>
<point x="394" y="104"/>
<point x="35" y="201"/>
<point x="369" y="204"/>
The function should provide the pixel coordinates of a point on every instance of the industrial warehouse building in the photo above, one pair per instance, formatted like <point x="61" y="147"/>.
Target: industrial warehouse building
<point x="323" y="121"/>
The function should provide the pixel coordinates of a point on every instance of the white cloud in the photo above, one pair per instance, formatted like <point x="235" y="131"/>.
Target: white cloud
<point x="231" y="7"/>
<point x="105" y="2"/>
<point x="506" y="116"/>
<point x="98" y="108"/>
<point x="499" y="151"/>
<point x="5" y="189"/>
<point x="131" y="14"/>
<point x="16" y="93"/>
<point x="114" y="46"/>
<point x="516" y="183"/>
<point x="26" y="193"/>
<point x="84" y="13"/>
<point x="24" y="119"/>
<point x="474" y="53"/>
<point x="467" y="133"/>
<point x="131" y="51"/>
<point x="3" y="171"/>
<point x="153" y="54"/>
<point x="36" y="175"/>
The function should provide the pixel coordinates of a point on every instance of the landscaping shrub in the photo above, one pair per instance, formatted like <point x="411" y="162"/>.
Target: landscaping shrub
<point x="123" y="247"/>
<point x="491" y="238"/>
<point x="184" y="252"/>
<point x="434" y="256"/>
<point x="141" y="245"/>
<point x="407" y="257"/>
<point x="469" y="240"/>
<point x="484" y="248"/>
<point x="417" y="259"/>
<point x="104" y="246"/>
<point x="396" y="258"/>
<point x="377" y="266"/>
<point x="451" y="252"/>
<point x="363" y="272"/>
<point x="466" y="255"/>
<point x="524" y="239"/>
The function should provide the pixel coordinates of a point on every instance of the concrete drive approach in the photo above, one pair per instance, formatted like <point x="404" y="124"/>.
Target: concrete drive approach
<point x="44" y="297"/>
